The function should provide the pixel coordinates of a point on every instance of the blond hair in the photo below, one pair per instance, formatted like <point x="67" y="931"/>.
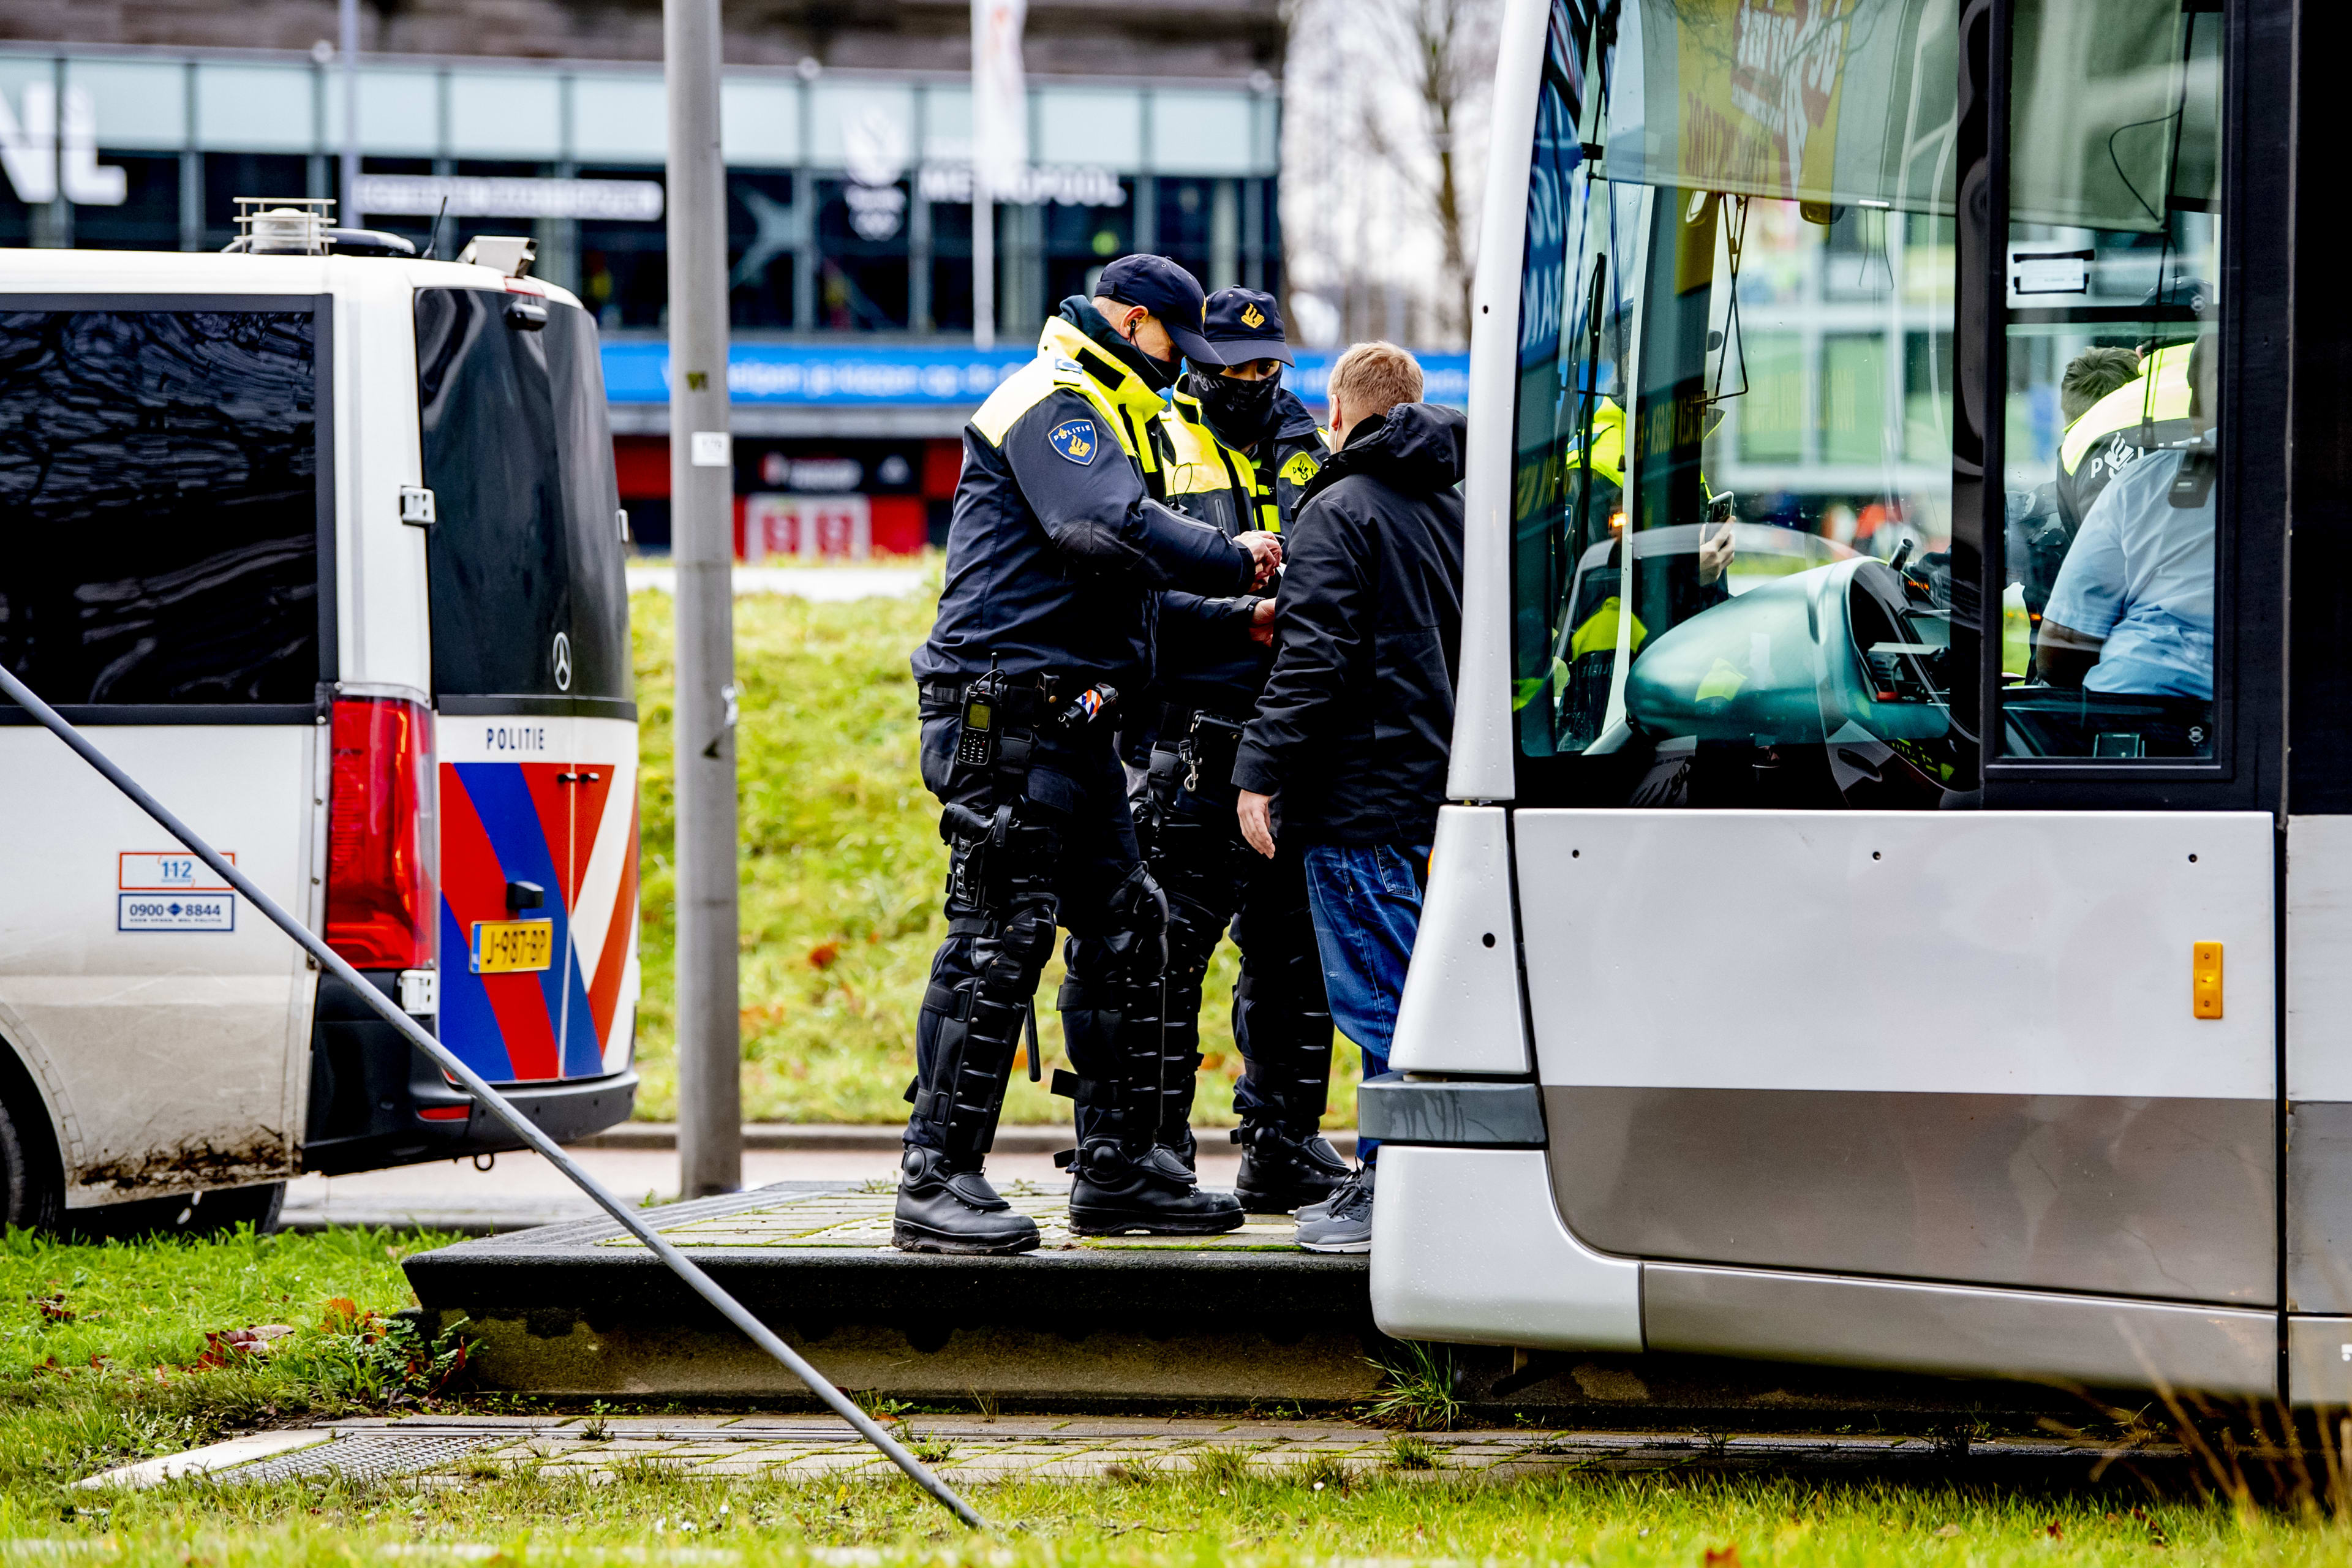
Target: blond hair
<point x="1373" y="378"/>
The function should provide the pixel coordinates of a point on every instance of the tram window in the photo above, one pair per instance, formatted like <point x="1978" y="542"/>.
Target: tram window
<point x="1732" y="500"/>
<point x="159" y="505"/>
<point x="2112" y="424"/>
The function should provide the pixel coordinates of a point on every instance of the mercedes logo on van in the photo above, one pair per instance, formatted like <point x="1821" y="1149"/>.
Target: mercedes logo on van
<point x="562" y="662"/>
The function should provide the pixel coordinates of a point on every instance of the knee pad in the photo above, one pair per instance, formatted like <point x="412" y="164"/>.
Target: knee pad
<point x="1137" y="934"/>
<point x="1022" y="947"/>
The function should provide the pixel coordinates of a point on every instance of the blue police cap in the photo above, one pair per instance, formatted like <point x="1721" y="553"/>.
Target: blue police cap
<point x="1245" y="325"/>
<point x="1173" y="295"/>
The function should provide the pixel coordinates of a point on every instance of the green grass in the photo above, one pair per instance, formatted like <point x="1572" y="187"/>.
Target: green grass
<point x="654" y="1514"/>
<point x="842" y="873"/>
<point x="104" y="1354"/>
<point x="103" y="1359"/>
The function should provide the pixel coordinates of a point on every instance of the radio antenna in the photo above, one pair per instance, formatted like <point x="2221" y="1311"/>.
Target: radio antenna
<point x="433" y="240"/>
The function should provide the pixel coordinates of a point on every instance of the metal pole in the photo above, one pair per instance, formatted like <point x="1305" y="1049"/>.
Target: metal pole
<point x="984" y="111"/>
<point x="349" y="186"/>
<point x="983" y="262"/>
<point x="497" y="1104"/>
<point x="702" y="544"/>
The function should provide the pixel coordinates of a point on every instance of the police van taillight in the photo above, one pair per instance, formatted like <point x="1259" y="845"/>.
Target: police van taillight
<point x="379" y="882"/>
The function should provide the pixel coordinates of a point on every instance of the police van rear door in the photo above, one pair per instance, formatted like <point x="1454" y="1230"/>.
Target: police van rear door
<point x="532" y="680"/>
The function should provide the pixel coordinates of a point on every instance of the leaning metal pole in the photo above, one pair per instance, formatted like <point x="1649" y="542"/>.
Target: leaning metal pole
<point x="497" y="1104"/>
<point x="702" y="546"/>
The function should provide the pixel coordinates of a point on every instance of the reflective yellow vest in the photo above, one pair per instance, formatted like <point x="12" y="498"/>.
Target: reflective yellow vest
<point x="1214" y="483"/>
<point x="1127" y="404"/>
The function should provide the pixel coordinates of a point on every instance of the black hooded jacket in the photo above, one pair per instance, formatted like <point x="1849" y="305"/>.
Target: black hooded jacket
<point x="1356" y="717"/>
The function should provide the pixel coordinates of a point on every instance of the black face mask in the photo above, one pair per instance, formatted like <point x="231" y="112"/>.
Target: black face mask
<point x="1240" y="412"/>
<point x="1159" y="374"/>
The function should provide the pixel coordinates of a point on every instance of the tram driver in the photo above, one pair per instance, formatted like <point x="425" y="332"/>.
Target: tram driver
<point x="2132" y="610"/>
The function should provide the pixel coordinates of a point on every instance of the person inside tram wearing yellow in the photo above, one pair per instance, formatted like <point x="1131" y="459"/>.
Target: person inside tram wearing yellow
<point x="2040" y="534"/>
<point x="2146" y="413"/>
<point x="2132" y="611"/>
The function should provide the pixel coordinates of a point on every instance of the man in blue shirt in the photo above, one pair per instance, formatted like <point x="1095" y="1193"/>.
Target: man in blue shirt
<point x="2132" y="611"/>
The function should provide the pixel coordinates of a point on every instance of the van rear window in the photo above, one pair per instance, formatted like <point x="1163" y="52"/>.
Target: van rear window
<point x="528" y="600"/>
<point x="159" y="505"/>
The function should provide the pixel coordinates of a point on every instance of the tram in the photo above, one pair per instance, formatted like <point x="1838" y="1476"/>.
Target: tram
<point x="320" y="539"/>
<point x="1892" y="905"/>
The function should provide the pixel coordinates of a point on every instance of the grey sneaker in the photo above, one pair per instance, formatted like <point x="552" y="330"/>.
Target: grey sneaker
<point x="1343" y="1222"/>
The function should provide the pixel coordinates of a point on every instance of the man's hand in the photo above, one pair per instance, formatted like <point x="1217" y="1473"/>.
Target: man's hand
<point x="1261" y="626"/>
<point x="1265" y="555"/>
<point x="1257" y="812"/>
<point x="1714" y="552"/>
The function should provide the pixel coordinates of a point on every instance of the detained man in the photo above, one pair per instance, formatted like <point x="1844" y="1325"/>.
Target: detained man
<point x="1347" y="754"/>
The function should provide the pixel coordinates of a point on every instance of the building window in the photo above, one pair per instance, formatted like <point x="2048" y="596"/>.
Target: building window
<point x="862" y="266"/>
<point x="625" y="267"/>
<point x="762" y="233"/>
<point x="1080" y="240"/>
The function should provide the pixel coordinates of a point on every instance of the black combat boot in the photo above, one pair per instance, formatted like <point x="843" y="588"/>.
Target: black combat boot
<point x="1283" y="1171"/>
<point x="1115" y="1190"/>
<point x="941" y="1209"/>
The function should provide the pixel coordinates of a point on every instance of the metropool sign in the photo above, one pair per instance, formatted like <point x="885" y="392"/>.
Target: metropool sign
<point x="891" y="376"/>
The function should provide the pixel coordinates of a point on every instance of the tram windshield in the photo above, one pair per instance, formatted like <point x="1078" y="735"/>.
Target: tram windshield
<point x="1733" y="540"/>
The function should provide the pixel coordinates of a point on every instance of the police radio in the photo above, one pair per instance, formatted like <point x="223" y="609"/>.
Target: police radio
<point x="983" y="702"/>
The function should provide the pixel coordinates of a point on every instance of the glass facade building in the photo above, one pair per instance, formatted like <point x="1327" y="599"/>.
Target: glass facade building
<point x="848" y="192"/>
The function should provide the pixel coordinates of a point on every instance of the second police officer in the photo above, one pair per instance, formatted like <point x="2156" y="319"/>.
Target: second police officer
<point x="1240" y="448"/>
<point x="1054" y="546"/>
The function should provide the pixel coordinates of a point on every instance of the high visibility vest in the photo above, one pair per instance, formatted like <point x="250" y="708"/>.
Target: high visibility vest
<point x="2149" y="411"/>
<point x="1128" y="405"/>
<point x="1225" y="485"/>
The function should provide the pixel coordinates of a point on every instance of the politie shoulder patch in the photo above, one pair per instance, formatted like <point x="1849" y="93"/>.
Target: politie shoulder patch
<point x="1075" y="439"/>
<point x="1300" y="469"/>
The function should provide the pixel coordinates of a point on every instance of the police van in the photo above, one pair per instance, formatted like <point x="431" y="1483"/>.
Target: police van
<point x="322" y="542"/>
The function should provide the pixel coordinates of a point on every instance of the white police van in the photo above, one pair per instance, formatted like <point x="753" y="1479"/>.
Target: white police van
<point x="322" y="542"/>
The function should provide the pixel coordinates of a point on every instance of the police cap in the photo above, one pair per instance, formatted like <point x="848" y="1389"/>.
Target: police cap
<point x="1173" y="295"/>
<point x="1245" y="325"/>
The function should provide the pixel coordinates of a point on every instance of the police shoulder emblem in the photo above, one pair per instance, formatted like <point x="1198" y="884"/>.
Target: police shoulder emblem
<point x="1075" y="439"/>
<point x="1301" y="468"/>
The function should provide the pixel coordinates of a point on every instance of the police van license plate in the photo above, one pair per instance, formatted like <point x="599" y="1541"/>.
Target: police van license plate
<point x="510" y="947"/>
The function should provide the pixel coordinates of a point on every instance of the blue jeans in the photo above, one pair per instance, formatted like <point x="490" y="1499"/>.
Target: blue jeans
<point x="1367" y="904"/>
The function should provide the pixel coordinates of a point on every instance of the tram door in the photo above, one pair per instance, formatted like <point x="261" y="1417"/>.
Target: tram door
<point x="1860" y="936"/>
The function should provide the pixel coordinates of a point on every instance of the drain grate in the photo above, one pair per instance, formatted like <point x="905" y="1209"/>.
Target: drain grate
<point x="369" y="1457"/>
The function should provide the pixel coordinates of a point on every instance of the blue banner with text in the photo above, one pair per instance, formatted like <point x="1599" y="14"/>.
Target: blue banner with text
<point x="873" y="375"/>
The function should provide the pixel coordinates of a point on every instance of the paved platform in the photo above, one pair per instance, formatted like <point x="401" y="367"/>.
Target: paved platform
<point x="1246" y="1321"/>
<point x="976" y="1450"/>
<point x="582" y="1309"/>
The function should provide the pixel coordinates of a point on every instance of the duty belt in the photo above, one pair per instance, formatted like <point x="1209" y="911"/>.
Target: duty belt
<point x="1203" y="756"/>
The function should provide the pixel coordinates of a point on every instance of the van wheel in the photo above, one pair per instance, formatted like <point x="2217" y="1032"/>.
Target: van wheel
<point x="31" y="1183"/>
<point x="214" y="1213"/>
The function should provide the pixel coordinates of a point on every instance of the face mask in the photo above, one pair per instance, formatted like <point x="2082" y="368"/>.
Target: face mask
<point x="1158" y="374"/>
<point x="1239" y="412"/>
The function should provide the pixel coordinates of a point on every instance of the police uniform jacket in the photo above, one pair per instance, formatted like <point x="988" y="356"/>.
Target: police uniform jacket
<point x="1203" y="655"/>
<point x="2146" y="413"/>
<point x="1054" y="543"/>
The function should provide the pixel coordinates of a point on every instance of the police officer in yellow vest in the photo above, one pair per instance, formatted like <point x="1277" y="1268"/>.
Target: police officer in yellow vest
<point x="1241" y="448"/>
<point x="1055" y="548"/>
<point x="2149" y="412"/>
